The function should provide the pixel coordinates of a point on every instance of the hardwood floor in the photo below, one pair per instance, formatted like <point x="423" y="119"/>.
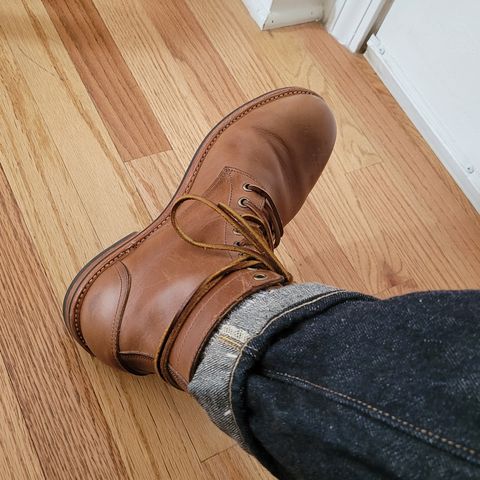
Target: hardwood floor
<point x="102" y="104"/>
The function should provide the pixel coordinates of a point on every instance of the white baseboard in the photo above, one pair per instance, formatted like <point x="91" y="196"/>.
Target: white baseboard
<point x="270" y="14"/>
<point x="259" y="10"/>
<point x="424" y="119"/>
<point x="349" y="21"/>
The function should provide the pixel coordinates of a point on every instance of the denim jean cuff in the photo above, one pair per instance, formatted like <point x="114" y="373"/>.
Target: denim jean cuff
<point x="211" y="384"/>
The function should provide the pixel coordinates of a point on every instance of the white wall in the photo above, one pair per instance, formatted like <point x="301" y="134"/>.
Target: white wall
<point x="428" y="54"/>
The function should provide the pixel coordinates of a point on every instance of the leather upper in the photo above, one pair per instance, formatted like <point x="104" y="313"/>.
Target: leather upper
<point x="130" y="310"/>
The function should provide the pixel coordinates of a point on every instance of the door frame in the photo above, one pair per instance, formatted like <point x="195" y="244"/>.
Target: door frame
<point x="351" y="21"/>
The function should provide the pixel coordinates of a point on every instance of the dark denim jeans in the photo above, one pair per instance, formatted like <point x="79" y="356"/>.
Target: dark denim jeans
<point x="354" y="387"/>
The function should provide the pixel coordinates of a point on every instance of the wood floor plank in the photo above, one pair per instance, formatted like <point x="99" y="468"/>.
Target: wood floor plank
<point x="68" y="430"/>
<point x="47" y="197"/>
<point x="377" y="262"/>
<point x="408" y="286"/>
<point x="66" y="112"/>
<point x="434" y="252"/>
<point x="234" y="463"/>
<point x="312" y="254"/>
<point x="157" y="178"/>
<point x="209" y="78"/>
<point x="49" y="202"/>
<point x="18" y="458"/>
<point x="130" y="121"/>
<point x="185" y="84"/>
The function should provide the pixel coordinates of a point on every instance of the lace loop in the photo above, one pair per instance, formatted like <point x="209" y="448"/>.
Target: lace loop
<point x="260" y="256"/>
<point x="263" y="252"/>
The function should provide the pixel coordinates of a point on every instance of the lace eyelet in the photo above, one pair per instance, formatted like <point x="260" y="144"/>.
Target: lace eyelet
<point x="237" y="243"/>
<point x="241" y="202"/>
<point x="246" y="187"/>
<point x="259" y="276"/>
<point x="236" y="232"/>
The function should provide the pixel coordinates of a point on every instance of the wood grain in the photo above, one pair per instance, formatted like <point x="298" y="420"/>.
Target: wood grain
<point x="15" y="436"/>
<point x="233" y="463"/>
<point x="127" y="115"/>
<point x="58" y="404"/>
<point x="208" y="76"/>
<point x="90" y="91"/>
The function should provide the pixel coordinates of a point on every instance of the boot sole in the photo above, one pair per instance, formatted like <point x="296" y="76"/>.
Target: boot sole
<point x="87" y="275"/>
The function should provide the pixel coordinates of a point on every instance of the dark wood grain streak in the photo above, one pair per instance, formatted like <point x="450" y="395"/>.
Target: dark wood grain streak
<point x="128" y="117"/>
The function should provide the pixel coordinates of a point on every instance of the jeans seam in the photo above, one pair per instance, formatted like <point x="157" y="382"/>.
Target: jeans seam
<point x="252" y="351"/>
<point x="306" y="302"/>
<point x="418" y="432"/>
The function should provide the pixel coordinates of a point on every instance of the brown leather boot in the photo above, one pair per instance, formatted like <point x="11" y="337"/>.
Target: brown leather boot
<point x="149" y="302"/>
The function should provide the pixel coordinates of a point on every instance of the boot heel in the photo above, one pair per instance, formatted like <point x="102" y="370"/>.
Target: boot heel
<point x="77" y="284"/>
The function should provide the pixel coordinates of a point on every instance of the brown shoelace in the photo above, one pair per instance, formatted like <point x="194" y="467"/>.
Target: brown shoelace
<point x="261" y="232"/>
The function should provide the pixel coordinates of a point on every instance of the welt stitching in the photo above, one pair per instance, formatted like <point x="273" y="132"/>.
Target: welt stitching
<point x="82" y="294"/>
<point x="421" y="431"/>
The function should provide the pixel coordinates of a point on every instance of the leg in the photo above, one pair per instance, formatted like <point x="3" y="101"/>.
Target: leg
<point x="340" y="385"/>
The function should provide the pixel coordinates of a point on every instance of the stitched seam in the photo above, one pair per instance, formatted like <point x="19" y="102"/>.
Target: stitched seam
<point x="237" y="360"/>
<point x="424" y="433"/>
<point x="230" y="195"/>
<point x="293" y="309"/>
<point x="116" y="322"/>
<point x="264" y="284"/>
<point x="137" y="354"/>
<point x="230" y="342"/>
<point x="221" y="288"/>
<point x="178" y="378"/>
<point x="251" y="350"/>
<point x="76" y="312"/>
<point x="192" y="324"/>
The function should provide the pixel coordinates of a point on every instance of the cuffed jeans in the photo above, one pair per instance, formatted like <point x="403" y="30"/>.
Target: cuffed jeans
<point x="320" y="383"/>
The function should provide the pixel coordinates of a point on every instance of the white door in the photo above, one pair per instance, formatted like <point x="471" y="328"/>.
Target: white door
<point x="428" y="54"/>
